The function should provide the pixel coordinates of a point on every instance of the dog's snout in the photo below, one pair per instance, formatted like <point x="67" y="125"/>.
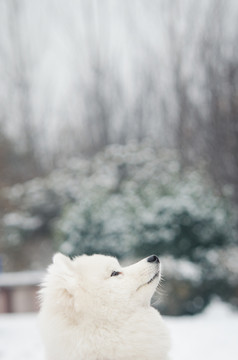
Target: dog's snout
<point x="153" y="259"/>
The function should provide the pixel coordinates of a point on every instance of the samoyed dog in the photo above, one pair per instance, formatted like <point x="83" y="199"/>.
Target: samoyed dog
<point x="94" y="309"/>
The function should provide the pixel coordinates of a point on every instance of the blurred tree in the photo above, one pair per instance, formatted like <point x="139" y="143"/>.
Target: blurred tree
<point x="17" y="112"/>
<point x="169" y="74"/>
<point x="14" y="165"/>
<point x="220" y="127"/>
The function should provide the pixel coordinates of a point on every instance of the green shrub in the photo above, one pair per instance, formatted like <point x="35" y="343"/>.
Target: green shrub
<point x="132" y="201"/>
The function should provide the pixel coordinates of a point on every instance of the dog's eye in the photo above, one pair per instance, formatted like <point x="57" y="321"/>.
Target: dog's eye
<point x="115" y="273"/>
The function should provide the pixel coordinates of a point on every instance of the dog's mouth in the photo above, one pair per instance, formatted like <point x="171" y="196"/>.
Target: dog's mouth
<point x="153" y="278"/>
<point x="156" y="275"/>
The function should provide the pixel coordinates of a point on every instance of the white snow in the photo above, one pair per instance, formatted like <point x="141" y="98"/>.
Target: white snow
<point x="212" y="335"/>
<point x="19" y="338"/>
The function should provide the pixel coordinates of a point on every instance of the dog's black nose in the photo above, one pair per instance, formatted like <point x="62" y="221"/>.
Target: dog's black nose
<point x="153" y="259"/>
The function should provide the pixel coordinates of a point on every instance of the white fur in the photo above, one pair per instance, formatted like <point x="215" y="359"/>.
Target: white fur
<point x="87" y="314"/>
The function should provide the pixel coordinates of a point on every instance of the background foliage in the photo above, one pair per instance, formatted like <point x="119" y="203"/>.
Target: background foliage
<point x="133" y="201"/>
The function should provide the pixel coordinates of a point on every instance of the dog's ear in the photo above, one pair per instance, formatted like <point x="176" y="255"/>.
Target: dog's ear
<point x="62" y="268"/>
<point x="62" y="260"/>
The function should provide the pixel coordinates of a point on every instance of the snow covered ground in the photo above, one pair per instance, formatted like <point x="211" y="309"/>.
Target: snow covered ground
<point x="212" y="335"/>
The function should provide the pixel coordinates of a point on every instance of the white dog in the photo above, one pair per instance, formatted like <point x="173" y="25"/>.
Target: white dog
<point x="93" y="309"/>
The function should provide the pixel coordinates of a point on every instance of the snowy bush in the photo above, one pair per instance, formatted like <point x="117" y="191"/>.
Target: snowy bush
<point x="132" y="201"/>
<point x="18" y="226"/>
<point x="99" y="223"/>
<point x="185" y="224"/>
<point x="135" y="202"/>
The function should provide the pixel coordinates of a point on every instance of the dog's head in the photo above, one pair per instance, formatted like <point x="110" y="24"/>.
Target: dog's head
<point x="97" y="284"/>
